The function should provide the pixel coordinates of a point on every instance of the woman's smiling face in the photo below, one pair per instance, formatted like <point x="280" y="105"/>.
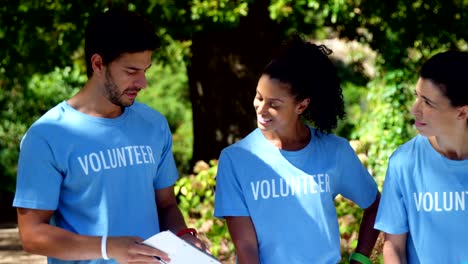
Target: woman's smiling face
<point x="277" y="110"/>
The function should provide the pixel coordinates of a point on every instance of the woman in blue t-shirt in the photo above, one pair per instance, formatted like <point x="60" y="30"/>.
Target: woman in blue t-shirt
<point x="423" y="210"/>
<point x="276" y="187"/>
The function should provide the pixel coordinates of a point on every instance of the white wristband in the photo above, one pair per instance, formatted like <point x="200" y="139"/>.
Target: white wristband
<point x="104" y="247"/>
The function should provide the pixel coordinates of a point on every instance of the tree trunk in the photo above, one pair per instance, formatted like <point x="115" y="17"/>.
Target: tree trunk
<point x="223" y="75"/>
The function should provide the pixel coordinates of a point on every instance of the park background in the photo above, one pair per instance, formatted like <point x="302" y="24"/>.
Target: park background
<point x="204" y="76"/>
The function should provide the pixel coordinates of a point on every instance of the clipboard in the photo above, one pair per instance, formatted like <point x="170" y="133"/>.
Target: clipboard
<point x="180" y="251"/>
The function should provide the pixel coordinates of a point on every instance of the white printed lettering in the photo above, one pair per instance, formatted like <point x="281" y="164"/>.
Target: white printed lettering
<point x="434" y="202"/>
<point x="116" y="158"/>
<point x="293" y="186"/>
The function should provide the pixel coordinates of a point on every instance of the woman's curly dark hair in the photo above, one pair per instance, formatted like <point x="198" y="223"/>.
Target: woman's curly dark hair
<point x="308" y="71"/>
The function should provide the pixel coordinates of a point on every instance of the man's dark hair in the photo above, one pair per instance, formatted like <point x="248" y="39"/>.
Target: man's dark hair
<point x="112" y="33"/>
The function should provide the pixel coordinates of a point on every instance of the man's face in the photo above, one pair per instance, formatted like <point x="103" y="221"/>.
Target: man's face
<point x="125" y="77"/>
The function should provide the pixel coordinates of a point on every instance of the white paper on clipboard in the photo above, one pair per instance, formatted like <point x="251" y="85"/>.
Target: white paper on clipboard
<point x="180" y="251"/>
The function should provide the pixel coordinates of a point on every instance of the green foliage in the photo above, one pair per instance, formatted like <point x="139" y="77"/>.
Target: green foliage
<point x="349" y="219"/>
<point x="354" y="102"/>
<point x="22" y="109"/>
<point x="394" y="28"/>
<point x="195" y="194"/>
<point x="167" y="92"/>
<point x="386" y="122"/>
<point x="354" y="75"/>
<point x="219" y="11"/>
<point x="305" y="16"/>
<point x="181" y="19"/>
<point x="36" y="37"/>
<point x="10" y="132"/>
<point x="56" y="86"/>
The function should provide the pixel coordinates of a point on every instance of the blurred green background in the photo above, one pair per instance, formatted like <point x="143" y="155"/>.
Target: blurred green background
<point x="204" y="77"/>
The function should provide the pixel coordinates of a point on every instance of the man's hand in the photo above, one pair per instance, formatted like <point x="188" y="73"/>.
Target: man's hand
<point x="131" y="250"/>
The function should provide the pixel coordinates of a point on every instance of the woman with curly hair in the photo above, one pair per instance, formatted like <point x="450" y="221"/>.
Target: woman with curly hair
<point x="276" y="187"/>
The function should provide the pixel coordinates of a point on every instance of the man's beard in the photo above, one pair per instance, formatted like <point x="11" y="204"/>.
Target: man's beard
<point x="112" y="91"/>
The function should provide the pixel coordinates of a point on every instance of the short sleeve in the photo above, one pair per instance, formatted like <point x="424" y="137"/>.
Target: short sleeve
<point x="39" y="179"/>
<point x="167" y="173"/>
<point x="229" y="198"/>
<point x="355" y="183"/>
<point x="392" y="216"/>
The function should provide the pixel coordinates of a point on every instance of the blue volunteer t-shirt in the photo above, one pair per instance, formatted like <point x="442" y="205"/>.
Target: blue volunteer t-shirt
<point x="99" y="175"/>
<point x="426" y="196"/>
<point x="289" y="195"/>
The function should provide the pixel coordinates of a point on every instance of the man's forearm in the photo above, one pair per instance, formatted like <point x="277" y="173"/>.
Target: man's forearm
<point x="58" y="243"/>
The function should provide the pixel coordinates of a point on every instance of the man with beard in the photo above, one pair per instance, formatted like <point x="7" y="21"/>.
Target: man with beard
<point x="96" y="172"/>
